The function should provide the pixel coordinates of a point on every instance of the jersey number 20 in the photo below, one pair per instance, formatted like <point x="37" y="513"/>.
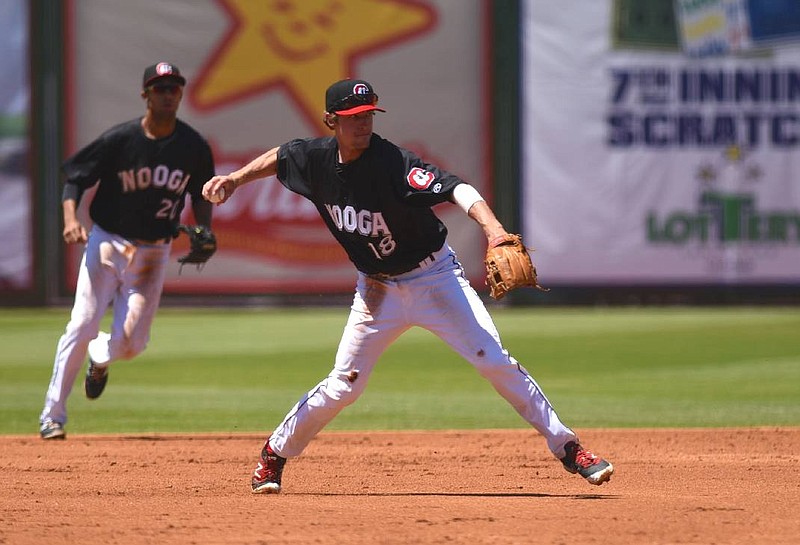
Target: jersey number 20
<point x="168" y="210"/>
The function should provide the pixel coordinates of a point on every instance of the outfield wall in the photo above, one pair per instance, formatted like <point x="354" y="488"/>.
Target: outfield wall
<point x="645" y="149"/>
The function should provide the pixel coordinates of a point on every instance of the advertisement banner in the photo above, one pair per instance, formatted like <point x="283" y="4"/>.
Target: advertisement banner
<point x="257" y="73"/>
<point x="661" y="141"/>
<point x="16" y="252"/>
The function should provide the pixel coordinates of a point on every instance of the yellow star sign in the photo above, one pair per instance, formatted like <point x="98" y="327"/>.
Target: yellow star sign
<point x="301" y="46"/>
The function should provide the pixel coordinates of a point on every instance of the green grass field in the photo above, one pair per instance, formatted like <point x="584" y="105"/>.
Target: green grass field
<point x="240" y="370"/>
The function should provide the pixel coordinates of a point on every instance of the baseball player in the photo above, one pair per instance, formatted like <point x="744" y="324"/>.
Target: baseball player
<point x="143" y="169"/>
<point x="376" y="199"/>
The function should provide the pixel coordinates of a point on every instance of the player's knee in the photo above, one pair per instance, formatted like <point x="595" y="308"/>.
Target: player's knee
<point x="82" y="336"/>
<point x="131" y="348"/>
<point x="490" y="359"/>
<point x="82" y="328"/>
<point x="345" y="387"/>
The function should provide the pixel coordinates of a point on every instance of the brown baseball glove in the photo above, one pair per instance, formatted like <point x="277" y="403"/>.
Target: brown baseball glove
<point x="509" y="266"/>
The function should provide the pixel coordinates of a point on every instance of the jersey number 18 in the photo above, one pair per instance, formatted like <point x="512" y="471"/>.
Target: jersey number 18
<point x="385" y="247"/>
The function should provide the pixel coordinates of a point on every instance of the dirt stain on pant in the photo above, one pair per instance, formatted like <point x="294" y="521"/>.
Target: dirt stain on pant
<point x="374" y="295"/>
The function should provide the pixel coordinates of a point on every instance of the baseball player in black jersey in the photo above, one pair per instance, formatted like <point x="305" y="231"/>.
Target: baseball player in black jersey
<point x="376" y="199"/>
<point x="143" y="169"/>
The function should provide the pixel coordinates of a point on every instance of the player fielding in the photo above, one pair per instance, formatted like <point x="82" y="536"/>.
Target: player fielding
<point x="376" y="200"/>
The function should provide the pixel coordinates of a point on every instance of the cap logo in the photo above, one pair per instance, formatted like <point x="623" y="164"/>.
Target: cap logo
<point x="360" y="89"/>
<point x="163" y="69"/>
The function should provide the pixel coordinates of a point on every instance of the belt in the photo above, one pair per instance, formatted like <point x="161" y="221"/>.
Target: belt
<point x="142" y="242"/>
<point x="427" y="262"/>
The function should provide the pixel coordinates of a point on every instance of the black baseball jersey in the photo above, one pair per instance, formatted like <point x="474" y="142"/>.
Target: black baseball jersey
<point x="143" y="182"/>
<point x="378" y="207"/>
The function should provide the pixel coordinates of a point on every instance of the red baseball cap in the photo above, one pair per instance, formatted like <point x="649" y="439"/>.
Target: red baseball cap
<point x="351" y="97"/>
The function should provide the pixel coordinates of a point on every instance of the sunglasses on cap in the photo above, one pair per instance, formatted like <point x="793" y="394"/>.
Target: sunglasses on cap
<point x="355" y="100"/>
<point x="161" y="88"/>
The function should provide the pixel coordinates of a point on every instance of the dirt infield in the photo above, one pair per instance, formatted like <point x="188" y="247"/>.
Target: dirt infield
<point x="499" y="486"/>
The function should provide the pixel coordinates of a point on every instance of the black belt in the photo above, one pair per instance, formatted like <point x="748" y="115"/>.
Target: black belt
<point x="429" y="259"/>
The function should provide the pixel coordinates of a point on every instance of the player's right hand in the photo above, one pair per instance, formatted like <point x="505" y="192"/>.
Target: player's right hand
<point x="211" y="189"/>
<point x="74" y="232"/>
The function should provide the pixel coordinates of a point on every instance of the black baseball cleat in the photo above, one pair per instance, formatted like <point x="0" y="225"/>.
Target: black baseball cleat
<point x="52" y="430"/>
<point x="96" y="378"/>
<point x="592" y="468"/>
<point x="267" y="476"/>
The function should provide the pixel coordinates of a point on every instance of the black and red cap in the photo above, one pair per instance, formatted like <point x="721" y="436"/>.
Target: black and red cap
<point x="162" y="71"/>
<point x="351" y="97"/>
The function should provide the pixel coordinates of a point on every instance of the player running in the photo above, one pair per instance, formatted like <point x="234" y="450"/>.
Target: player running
<point x="143" y="169"/>
<point x="376" y="199"/>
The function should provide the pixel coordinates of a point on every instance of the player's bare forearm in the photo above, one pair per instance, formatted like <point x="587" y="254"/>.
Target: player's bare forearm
<point x="262" y="166"/>
<point x="484" y="216"/>
<point x="73" y="230"/>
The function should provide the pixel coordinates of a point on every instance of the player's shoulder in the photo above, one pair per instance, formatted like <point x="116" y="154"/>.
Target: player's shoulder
<point x="386" y="150"/>
<point x="123" y="130"/>
<point x="308" y="146"/>
<point x="312" y="143"/>
<point x="187" y="131"/>
<point x="379" y="144"/>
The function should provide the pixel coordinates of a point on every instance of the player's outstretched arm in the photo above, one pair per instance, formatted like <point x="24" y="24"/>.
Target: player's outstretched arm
<point x="469" y="200"/>
<point x="220" y="188"/>
<point x="508" y="263"/>
<point x="484" y="216"/>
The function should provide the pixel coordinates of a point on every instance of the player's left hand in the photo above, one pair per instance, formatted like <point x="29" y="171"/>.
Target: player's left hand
<point x="509" y="266"/>
<point x="202" y="244"/>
